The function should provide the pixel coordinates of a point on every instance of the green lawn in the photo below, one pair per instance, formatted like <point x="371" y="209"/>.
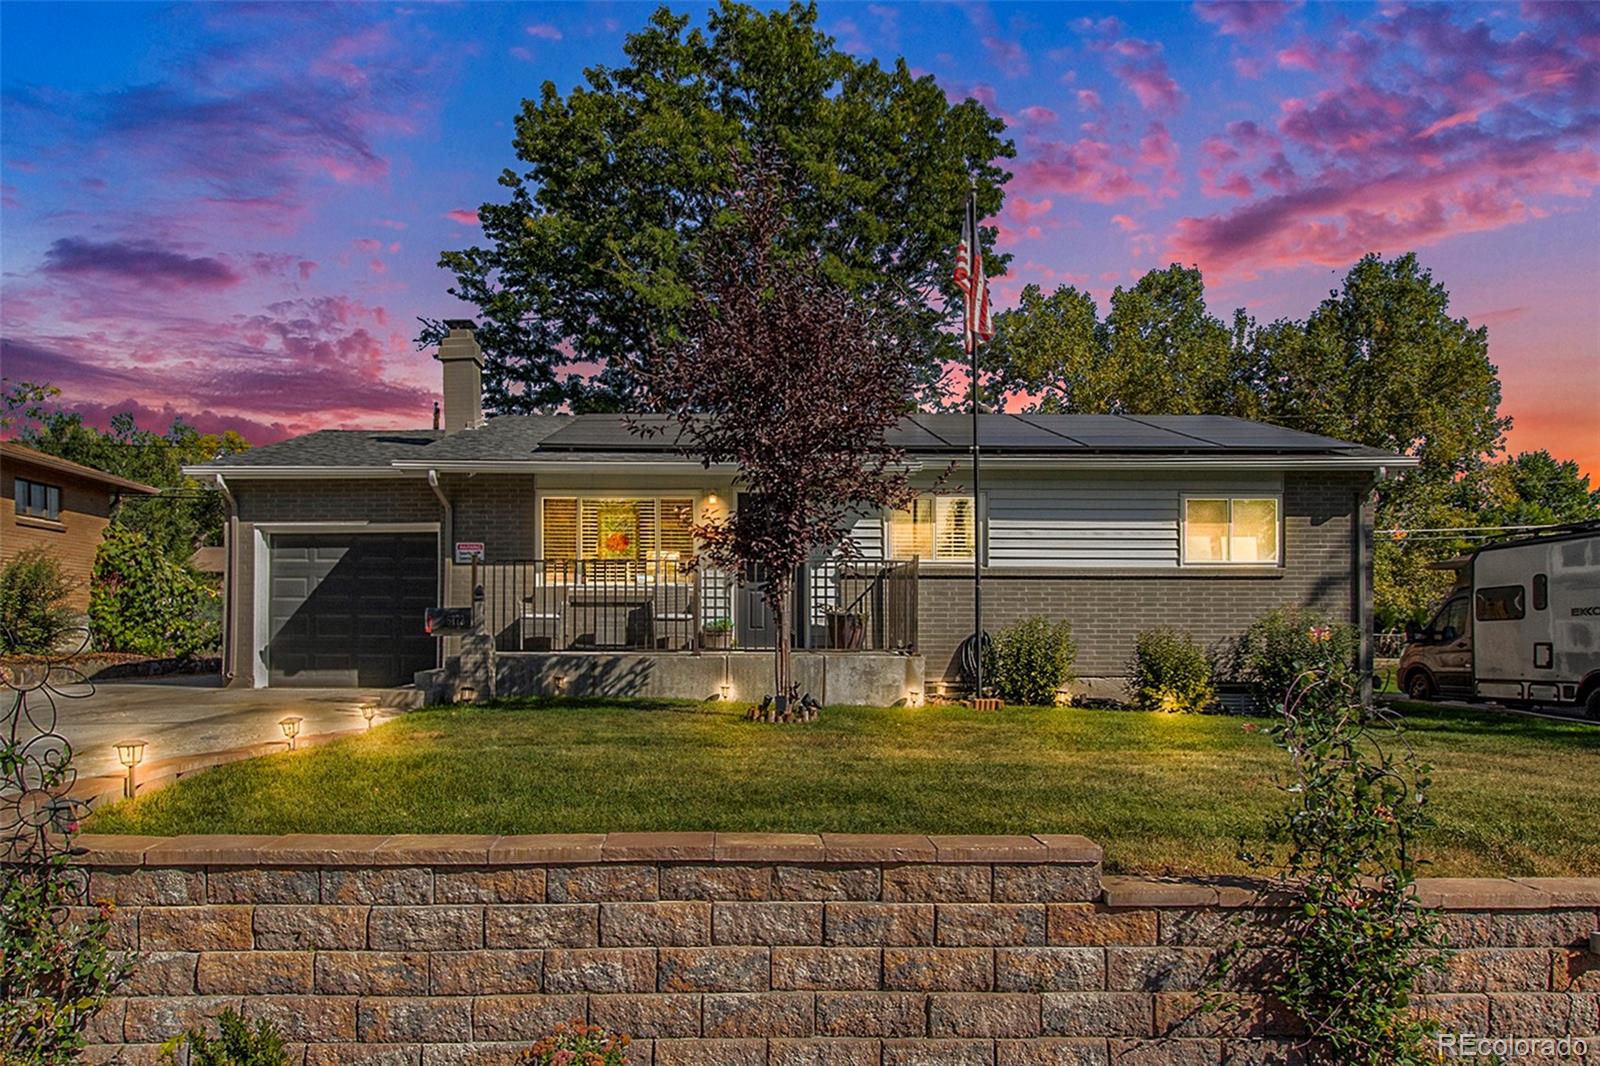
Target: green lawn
<point x="1162" y="793"/>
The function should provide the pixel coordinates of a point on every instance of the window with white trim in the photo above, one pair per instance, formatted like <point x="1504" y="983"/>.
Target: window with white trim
<point x="37" y="500"/>
<point x="1220" y="530"/>
<point x="617" y="536"/>
<point x="939" y="529"/>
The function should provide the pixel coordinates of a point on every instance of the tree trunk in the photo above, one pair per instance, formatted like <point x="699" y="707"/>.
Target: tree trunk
<point x="782" y="659"/>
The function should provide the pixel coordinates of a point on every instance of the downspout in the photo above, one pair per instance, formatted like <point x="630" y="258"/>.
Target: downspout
<point x="446" y="539"/>
<point x="230" y="547"/>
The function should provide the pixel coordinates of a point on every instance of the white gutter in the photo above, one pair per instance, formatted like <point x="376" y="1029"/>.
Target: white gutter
<point x="447" y="535"/>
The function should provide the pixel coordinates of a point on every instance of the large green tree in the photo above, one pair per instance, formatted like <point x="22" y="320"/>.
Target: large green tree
<point x="1158" y="351"/>
<point x="587" y="264"/>
<point x="186" y="515"/>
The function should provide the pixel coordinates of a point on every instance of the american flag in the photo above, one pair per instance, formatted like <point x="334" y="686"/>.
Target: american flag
<point x="973" y="285"/>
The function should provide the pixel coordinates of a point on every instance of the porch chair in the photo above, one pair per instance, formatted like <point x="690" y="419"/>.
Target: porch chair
<point x="676" y="609"/>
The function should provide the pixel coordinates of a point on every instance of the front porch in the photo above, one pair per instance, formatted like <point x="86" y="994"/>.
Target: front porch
<point x="665" y="605"/>
<point x="660" y="628"/>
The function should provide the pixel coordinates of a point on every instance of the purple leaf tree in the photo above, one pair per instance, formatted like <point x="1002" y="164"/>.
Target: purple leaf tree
<point x="778" y="369"/>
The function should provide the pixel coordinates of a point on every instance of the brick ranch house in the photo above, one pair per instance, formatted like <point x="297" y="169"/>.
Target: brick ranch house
<point x="60" y="506"/>
<point x="578" y="533"/>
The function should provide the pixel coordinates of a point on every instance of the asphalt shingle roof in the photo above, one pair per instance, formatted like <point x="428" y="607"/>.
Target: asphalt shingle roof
<point x="608" y="438"/>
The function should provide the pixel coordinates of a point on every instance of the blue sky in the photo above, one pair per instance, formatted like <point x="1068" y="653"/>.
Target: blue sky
<point x="234" y="212"/>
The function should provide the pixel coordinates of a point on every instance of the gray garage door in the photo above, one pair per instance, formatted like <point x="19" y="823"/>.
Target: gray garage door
<point x="346" y="609"/>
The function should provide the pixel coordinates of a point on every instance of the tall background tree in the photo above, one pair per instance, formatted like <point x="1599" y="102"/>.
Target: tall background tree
<point x="779" y="368"/>
<point x="589" y="261"/>
<point x="1381" y="362"/>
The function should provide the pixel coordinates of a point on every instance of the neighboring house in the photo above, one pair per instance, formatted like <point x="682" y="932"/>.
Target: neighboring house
<point x="577" y="530"/>
<point x="61" y="506"/>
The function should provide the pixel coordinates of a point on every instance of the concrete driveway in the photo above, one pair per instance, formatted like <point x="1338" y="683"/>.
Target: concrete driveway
<point x="193" y="715"/>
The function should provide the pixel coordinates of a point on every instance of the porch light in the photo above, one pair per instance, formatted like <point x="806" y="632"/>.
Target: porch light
<point x="713" y="500"/>
<point x="130" y="753"/>
<point x="291" y="728"/>
<point x="369" y="711"/>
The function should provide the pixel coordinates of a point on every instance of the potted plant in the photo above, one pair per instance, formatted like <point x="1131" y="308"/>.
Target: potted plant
<point x="717" y="635"/>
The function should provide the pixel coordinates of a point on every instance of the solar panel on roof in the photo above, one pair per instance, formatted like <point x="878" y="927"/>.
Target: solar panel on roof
<point x="1118" y="433"/>
<point x="1226" y="432"/>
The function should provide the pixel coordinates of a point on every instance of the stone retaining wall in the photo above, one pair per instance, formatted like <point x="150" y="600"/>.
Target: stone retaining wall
<point x="756" y="950"/>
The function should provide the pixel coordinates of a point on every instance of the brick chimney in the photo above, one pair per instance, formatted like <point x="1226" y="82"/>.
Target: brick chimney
<point x="463" y="376"/>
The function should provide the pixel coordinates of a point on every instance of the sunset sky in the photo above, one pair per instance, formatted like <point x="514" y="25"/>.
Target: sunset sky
<point x="234" y="212"/>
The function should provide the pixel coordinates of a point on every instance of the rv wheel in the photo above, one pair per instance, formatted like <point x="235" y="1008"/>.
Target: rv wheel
<point x="1419" y="686"/>
<point x="1591" y="706"/>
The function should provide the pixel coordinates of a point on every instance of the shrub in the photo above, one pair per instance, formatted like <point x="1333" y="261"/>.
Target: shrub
<point x="236" y="1044"/>
<point x="140" y="601"/>
<point x="1286" y="645"/>
<point x="578" y="1044"/>
<point x="1028" y="663"/>
<point x="1347" y="871"/>
<point x="1169" y="671"/>
<point x="34" y="615"/>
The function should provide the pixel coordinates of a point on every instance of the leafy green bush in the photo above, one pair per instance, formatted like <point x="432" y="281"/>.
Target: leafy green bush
<point x="578" y="1044"/>
<point x="1169" y="671"/>
<point x="236" y="1044"/>
<point x="1030" y="662"/>
<point x="1347" y="868"/>
<point x="1287" y="645"/>
<point x="34" y="615"/>
<point x="140" y="601"/>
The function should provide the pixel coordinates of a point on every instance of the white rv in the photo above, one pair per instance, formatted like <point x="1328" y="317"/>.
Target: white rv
<point x="1521" y="625"/>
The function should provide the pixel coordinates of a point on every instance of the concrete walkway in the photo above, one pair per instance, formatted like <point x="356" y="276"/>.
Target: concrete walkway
<point x="192" y="715"/>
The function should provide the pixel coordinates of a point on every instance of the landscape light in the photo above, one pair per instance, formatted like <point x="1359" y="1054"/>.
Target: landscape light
<point x="368" y="711"/>
<point x="291" y="728"/>
<point x="130" y="753"/>
<point x="914" y="697"/>
<point x="466" y="694"/>
<point x="727" y="690"/>
<point x="559" y="681"/>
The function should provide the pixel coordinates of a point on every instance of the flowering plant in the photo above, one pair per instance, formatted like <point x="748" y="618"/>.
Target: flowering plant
<point x="575" y="1043"/>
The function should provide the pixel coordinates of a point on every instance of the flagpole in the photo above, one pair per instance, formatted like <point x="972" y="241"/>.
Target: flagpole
<point x="973" y="310"/>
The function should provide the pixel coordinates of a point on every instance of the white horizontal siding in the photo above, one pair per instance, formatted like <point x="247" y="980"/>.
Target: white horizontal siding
<point x="866" y="530"/>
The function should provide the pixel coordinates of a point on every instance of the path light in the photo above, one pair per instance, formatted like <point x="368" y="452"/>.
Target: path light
<point x="466" y="694"/>
<point x="727" y="690"/>
<point x="559" y="681"/>
<point x="130" y="753"/>
<point x="291" y="728"/>
<point x="369" y="711"/>
<point x="913" y="697"/>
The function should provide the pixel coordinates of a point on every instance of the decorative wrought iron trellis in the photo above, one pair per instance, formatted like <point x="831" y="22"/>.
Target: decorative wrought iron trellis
<point x="37" y="816"/>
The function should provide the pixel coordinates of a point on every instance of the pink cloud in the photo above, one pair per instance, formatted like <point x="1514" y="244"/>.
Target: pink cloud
<point x="462" y="215"/>
<point x="1024" y="210"/>
<point x="1242" y="18"/>
<point x="544" y="31"/>
<point x="518" y="52"/>
<point x="1298" y="56"/>
<point x="367" y="244"/>
<point x="1009" y="56"/>
<point x="1125" y="223"/>
<point x="1038" y="115"/>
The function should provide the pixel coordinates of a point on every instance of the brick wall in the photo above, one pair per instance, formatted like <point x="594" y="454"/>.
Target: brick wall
<point x="73" y="539"/>
<point x="1108" y="608"/>
<point x="755" y="949"/>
